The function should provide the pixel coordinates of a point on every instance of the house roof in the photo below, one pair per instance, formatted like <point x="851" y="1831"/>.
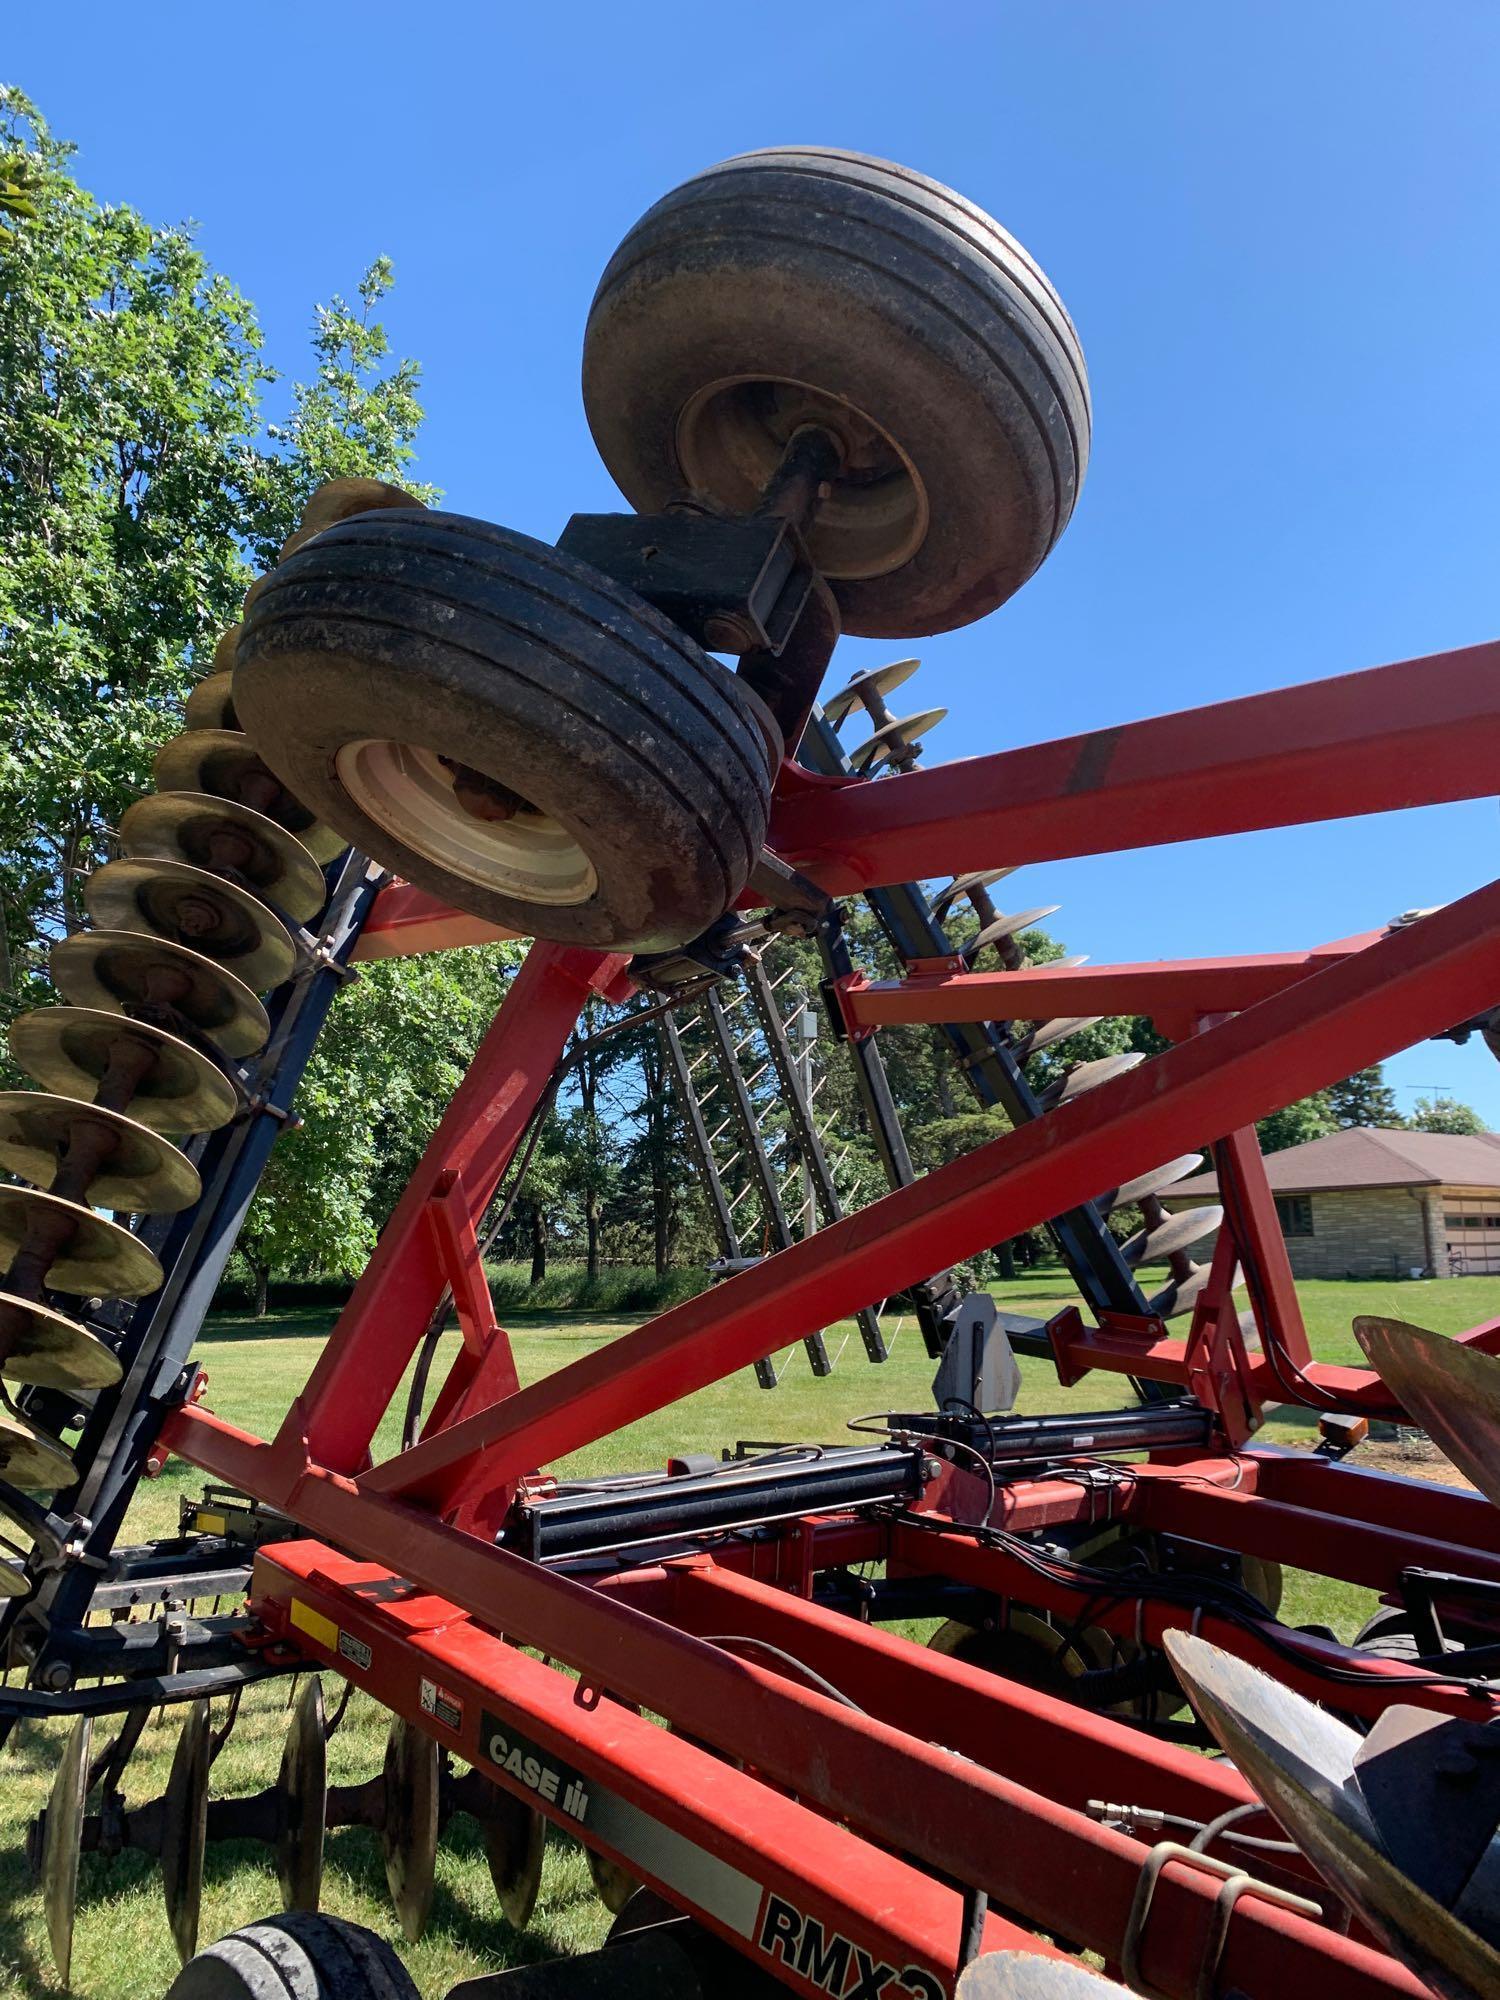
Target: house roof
<point x="1368" y="1156"/>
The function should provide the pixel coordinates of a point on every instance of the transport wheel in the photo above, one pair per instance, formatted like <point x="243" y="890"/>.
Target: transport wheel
<point x="804" y="285"/>
<point x="508" y="729"/>
<point x="297" y="1956"/>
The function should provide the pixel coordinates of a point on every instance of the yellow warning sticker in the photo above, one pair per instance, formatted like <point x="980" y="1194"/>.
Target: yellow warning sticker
<point x="315" y="1625"/>
<point x="210" y="1524"/>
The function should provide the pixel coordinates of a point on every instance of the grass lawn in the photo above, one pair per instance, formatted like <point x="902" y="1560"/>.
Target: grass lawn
<point x="122" y="1949"/>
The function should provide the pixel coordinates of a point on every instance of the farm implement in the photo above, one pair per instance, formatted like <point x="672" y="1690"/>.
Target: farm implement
<point x="839" y="399"/>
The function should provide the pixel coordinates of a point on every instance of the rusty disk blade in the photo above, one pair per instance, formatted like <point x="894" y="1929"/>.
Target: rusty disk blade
<point x="224" y="763"/>
<point x="211" y="703"/>
<point x="340" y="500"/>
<point x="964" y="885"/>
<point x="143" y="1172"/>
<point x="1006" y="926"/>
<point x="1045" y="1033"/>
<point x="1452" y="1391"/>
<point x="303" y="1787"/>
<point x="51" y="1351"/>
<point x="68" y="1050"/>
<point x="119" y="970"/>
<point x="196" y="908"/>
<point x="96" y="1257"/>
<point x="878" y="681"/>
<point x="1301" y="1761"/>
<point x="895" y="739"/>
<point x="1154" y="1246"/>
<point x="1164" y="1176"/>
<point x="613" y="1884"/>
<point x="32" y="1459"/>
<point x="185" y="1829"/>
<point x="515" y="1841"/>
<point x="62" y="1836"/>
<point x="409" y="1834"/>
<point x="211" y="833"/>
<point x="1086" y="1076"/>
<point x="1180" y="1295"/>
<point x="1024" y="1975"/>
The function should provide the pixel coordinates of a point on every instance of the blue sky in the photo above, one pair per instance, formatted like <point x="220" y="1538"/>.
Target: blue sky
<point x="1275" y="225"/>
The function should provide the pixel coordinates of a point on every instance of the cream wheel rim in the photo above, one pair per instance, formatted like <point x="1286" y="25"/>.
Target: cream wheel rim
<point x="408" y="792"/>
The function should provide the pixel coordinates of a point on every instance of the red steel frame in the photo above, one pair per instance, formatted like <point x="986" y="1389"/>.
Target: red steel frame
<point x="828" y="1856"/>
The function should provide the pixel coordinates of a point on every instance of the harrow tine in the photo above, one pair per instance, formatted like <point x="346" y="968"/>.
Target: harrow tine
<point x="185" y="1830"/>
<point x="231" y="1715"/>
<point x="303" y="1790"/>
<point x="1398" y="1822"/>
<point x="1451" y="1390"/>
<point x="62" y="1836"/>
<point x="332" y="1724"/>
<point x="409" y="1833"/>
<point x="515" y="1843"/>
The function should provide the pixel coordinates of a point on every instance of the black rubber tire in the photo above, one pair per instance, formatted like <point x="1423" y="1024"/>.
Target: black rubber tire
<point x="470" y="642"/>
<point x="887" y="291"/>
<point x="296" y="1956"/>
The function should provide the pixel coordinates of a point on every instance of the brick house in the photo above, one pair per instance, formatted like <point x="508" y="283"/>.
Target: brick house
<point x="1367" y="1203"/>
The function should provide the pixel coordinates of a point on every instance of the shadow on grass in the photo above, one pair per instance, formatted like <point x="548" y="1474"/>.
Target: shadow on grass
<point x="21" y="1931"/>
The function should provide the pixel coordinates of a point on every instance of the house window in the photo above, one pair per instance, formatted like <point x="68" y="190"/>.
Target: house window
<point x="1294" y="1213"/>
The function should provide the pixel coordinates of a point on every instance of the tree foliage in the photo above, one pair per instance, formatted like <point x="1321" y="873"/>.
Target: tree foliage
<point x="1446" y="1114"/>
<point x="142" y="486"/>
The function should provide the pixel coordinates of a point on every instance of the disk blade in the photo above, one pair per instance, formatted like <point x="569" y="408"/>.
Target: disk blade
<point x="1452" y="1391"/>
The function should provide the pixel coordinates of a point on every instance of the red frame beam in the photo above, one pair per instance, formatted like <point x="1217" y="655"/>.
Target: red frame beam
<point x="1421" y="732"/>
<point x="1067" y="1873"/>
<point x="1407" y="985"/>
<point x="1173" y="992"/>
<point x="406" y="920"/>
<point x="356" y="1376"/>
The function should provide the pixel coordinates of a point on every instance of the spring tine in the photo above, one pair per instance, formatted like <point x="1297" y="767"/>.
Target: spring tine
<point x="739" y="1197"/>
<point x="337" y="1716"/>
<point x="221" y="1735"/>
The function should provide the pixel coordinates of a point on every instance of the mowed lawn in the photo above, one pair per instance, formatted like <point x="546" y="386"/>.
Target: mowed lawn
<point x="122" y="1948"/>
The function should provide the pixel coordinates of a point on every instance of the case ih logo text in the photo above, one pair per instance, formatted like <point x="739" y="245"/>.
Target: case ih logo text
<point x="530" y="1766"/>
<point x="836" y="1964"/>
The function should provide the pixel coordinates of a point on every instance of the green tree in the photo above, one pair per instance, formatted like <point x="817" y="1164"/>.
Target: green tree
<point x="131" y="379"/>
<point x="1446" y="1114"/>
<point x="141" y="488"/>
<point x="1309" y="1118"/>
<point x="394" y="1050"/>
<point x="1364" y="1099"/>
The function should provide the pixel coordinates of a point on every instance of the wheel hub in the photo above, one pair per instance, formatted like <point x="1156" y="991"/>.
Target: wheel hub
<point x="731" y="438"/>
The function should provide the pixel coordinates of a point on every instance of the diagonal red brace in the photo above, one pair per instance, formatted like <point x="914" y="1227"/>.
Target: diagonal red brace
<point x="1406" y="986"/>
<point x="1415" y="734"/>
